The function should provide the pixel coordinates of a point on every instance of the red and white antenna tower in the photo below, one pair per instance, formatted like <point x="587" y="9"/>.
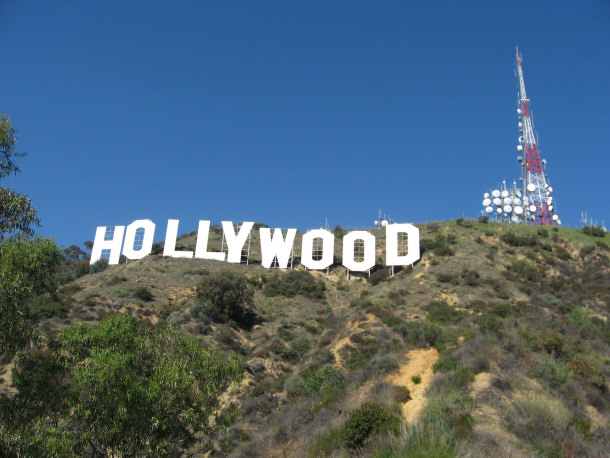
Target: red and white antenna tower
<point x="538" y="202"/>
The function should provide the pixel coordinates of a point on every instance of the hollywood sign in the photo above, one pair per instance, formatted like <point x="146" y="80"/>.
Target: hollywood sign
<point x="273" y="246"/>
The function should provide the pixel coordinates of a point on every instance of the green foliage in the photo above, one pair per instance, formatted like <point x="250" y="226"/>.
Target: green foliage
<point x="421" y="333"/>
<point x="439" y="312"/>
<point x="289" y="284"/>
<point x="361" y="426"/>
<point x="454" y="407"/>
<point x="448" y="277"/>
<point x="326" y="378"/>
<point x="440" y="245"/>
<point x="518" y="240"/>
<point x="379" y="275"/>
<point x="17" y="216"/>
<point x="595" y="231"/>
<point x="368" y="419"/>
<point x="226" y="295"/>
<point x="128" y="389"/>
<point x="144" y="294"/>
<point x="27" y="269"/>
<point x="539" y="419"/>
<point x="98" y="266"/>
<point x="50" y="305"/>
<point x="553" y="373"/>
<point x="416" y="379"/>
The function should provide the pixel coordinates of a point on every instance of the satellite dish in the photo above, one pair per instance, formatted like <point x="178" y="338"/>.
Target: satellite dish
<point x="486" y="195"/>
<point x="497" y="201"/>
<point x="376" y="223"/>
<point x="549" y="200"/>
<point x="514" y="218"/>
<point x="531" y="187"/>
<point x="517" y="201"/>
<point x="526" y="200"/>
<point x="489" y="209"/>
<point x="505" y="193"/>
<point x="384" y="223"/>
<point x="518" y="210"/>
<point x="495" y="193"/>
<point x="555" y="217"/>
<point x="558" y="221"/>
<point x="520" y="124"/>
<point x="518" y="193"/>
<point x="486" y="202"/>
<point x="499" y="209"/>
<point x="508" y="200"/>
<point x="550" y="189"/>
<point x="550" y="208"/>
<point x="519" y="148"/>
<point x="532" y="208"/>
<point x="521" y="140"/>
<point x="519" y="111"/>
<point x="508" y="209"/>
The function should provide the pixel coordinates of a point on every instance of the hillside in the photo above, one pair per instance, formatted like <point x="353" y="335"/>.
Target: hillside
<point x="495" y="343"/>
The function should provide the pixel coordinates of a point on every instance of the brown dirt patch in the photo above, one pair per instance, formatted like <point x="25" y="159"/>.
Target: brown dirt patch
<point x="419" y="362"/>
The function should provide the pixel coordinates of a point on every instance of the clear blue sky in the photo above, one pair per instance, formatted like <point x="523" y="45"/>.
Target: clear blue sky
<point x="291" y="112"/>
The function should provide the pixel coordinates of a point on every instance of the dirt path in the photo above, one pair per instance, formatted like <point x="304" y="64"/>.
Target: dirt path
<point x="419" y="363"/>
<point x="352" y="328"/>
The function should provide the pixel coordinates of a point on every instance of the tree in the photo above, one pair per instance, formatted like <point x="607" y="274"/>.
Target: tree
<point x="125" y="389"/>
<point x="225" y="296"/>
<point x="27" y="266"/>
<point x="16" y="211"/>
<point x="27" y="269"/>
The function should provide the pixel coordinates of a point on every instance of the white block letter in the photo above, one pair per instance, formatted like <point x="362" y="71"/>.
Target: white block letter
<point x="328" y="249"/>
<point x="114" y="245"/>
<point x="170" y="241"/>
<point x="235" y="243"/>
<point x="276" y="246"/>
<point x="201" y="249"/>
<point x="391" y="237"/>
<point x="369" y="251"/>
<point x="147" y="241"/>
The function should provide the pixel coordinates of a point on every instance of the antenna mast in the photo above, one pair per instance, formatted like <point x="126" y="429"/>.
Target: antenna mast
<point x="537" y="199"/>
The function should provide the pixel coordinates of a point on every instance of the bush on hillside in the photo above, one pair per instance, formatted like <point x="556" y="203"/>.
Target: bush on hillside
<point x="368" y="419"/>
<point x="143" y="293"/>
<point x="295" y="282"/>
<point x="595" y="231"/>
<point x="226" y="295"/>
<point x="517" y="240"/>
<point x="98" y="266"/>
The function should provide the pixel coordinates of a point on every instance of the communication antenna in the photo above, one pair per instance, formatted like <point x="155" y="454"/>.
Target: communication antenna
<point x="533" y="202"/>
<point x="541" y="208"/>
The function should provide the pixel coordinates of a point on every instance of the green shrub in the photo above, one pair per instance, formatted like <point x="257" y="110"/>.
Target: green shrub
<point x="143" y="293"/>
<point x="368" y="419"/>
<point x="416" y="379"/>
<point x="448" y="277"/>
<point x="289" y="284"/>
<point x="515" y="240"/>
<point x="539" y="419"/>
<point x="552" y="372"/>
<point x="453" y="407"/>
<point x="439" y="312"/>
<point x="595" y="231"/>
<point x="98" y="266"/>
<point x="421" y="333"/>
<point x="49" y="306"/>
<point x="379" y="275"/>
<point x="226" y="295"/>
